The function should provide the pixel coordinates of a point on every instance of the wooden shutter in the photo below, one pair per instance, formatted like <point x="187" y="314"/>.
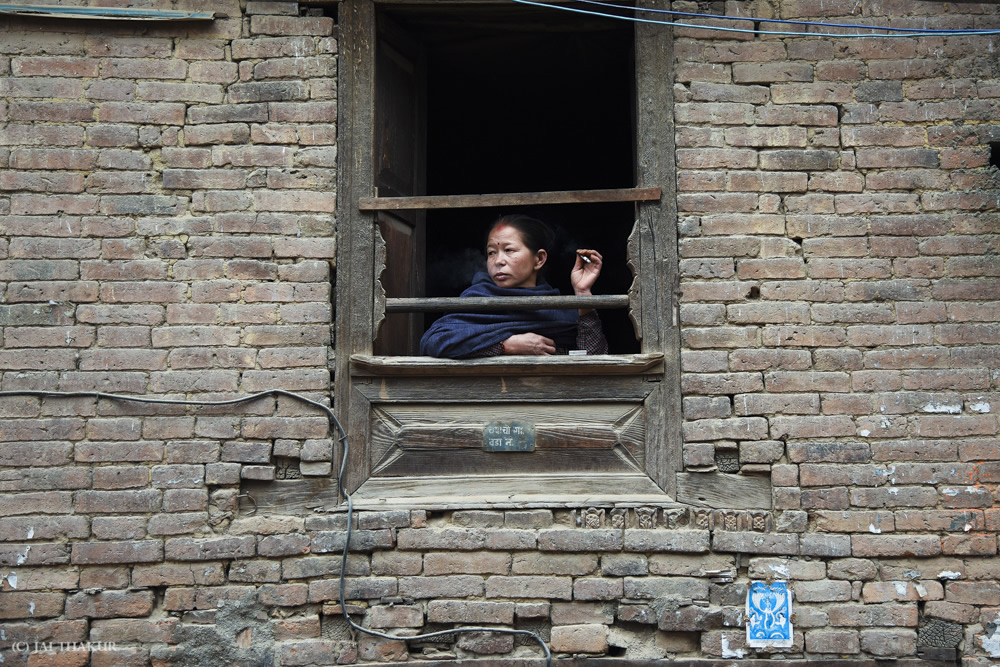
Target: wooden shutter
<point x="399" y="165"/>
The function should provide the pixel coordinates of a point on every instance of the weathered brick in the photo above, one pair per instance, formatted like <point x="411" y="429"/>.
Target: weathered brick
<point x="895" y="545"/>
<point x="551" y="587"/>
<point x="580" y="638"/>
<point x="559" y="539"/>
<point x="453" y="586"/>
<point x="755" y="542"/>
<point x="470" y="563"/>
<point x="398" y="616"/>
<point x="833" y="641"/>
<point x="100" y="553"/>
<point x="873" y="615"/>
<point x="109" y="604"/>
<point x="460" y="611"/>
<point x="106" y="502"/>
<point x="186" y="548"/>
<point x="975" y="593"/>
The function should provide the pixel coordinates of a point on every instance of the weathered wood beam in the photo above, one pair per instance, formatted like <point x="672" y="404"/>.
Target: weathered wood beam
<point x="508" y="199"/>
<point x="501" y="303"/>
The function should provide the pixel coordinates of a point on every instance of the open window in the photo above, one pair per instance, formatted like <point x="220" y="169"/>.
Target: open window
<point x="451" y="114"/>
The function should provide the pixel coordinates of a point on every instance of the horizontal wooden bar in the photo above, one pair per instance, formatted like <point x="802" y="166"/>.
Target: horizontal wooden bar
<point x="508" y="199"/>
<point x="492" y="304"/>
<point x="551" y="365"/>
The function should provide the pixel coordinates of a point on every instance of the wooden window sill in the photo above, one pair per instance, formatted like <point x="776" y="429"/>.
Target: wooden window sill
<point x="600" y="364"/>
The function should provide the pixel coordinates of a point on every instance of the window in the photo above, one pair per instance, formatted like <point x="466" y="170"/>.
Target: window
<point x="559" y="115"/>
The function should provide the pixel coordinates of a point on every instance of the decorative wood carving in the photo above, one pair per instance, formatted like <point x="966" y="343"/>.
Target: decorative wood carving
<point x="593" y="518"/>
<point x="759" y="521"/>
<point x="701" y="518"/>
<point x="378" y="308"/>
<point x="675" y="518"/>
<point x="729" y="520"/>
<point x="633" y="262"/>
<point x="645" y="517"/>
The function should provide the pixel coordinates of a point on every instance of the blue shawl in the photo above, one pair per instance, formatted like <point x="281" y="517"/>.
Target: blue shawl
<point x="459" y="335"/>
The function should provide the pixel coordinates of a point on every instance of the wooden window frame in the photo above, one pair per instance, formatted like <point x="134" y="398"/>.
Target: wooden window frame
<point x="359" y="373"/>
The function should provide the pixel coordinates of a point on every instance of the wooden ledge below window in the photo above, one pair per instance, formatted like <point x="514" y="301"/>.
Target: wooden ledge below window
<point x="510" y="492"/>
<point x="599" y="364"/>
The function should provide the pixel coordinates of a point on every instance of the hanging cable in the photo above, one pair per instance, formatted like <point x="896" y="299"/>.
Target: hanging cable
<point x="340" y="488"/>
<point x="749" y="31"/>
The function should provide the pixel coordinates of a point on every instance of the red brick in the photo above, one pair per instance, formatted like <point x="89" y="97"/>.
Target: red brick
<point x="895" y="545"/>
<point x="973" y="592"/>
<point x="811" y="427"/>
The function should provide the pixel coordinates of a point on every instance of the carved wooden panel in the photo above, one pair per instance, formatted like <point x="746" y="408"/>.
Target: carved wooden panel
<point x="415" y="439"/>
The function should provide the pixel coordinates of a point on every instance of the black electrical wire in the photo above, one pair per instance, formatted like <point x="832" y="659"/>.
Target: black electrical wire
<point x="820" y="24"/>
<point x="340" y="487"/>
<point x="917" y="32"/>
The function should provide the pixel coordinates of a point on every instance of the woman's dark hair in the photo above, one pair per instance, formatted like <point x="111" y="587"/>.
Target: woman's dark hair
<point x="535" y="233"/>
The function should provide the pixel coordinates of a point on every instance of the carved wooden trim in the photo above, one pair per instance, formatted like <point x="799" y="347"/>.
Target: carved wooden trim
<point x="378" y="308"/>
<point x="635" y="289"/>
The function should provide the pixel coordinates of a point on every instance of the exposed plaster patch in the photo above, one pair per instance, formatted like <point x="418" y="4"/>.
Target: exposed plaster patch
<point x="731" y="653"/>
<point x="991" y="643"/>
<point x="23" y="557"/>
<point x="942" y="408"/>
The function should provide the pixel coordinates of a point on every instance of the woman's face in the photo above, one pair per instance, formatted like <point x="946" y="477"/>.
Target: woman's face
<point x="509" y="262"/>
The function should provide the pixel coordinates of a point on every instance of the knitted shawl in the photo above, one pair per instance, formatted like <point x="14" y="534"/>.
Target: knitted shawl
<point x="459" y="335"/>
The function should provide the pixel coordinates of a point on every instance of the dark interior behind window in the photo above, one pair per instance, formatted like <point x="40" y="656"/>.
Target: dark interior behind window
<point x="527" y="100"/>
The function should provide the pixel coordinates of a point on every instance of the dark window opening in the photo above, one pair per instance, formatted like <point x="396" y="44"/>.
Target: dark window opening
<point x="995" y="154"/>
<point x="527" y="100"/>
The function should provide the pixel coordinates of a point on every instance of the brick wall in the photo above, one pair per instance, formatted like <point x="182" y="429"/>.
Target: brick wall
<point x="167" y="229"/>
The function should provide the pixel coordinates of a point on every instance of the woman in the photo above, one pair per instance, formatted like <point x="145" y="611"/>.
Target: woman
<point x="515" y="254"/>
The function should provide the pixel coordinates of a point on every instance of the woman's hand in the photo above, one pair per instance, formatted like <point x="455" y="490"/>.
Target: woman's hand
<point x="585" y="273"/>
<point x="529" y="343"/>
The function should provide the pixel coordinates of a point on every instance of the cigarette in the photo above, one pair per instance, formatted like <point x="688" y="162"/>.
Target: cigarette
<point x="583" y="257"/>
